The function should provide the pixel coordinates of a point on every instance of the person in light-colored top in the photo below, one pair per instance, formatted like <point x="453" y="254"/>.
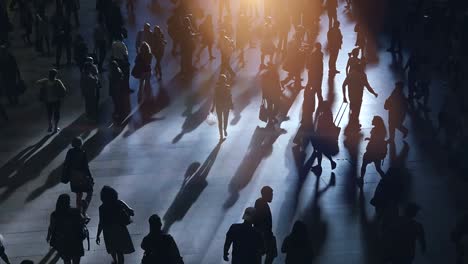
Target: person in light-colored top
<point x="52" y="91"/>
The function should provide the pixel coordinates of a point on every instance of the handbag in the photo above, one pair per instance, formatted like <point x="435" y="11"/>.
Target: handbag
<point x="125" y="217"/>
<point x="263" y="115"/>
<point x="211" y="119"/>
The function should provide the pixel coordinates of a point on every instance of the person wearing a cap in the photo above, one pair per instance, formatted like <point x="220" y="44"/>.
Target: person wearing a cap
<point x="159" y="247"/>
<point x="264" y="223"/>
<point x="52" y="91"/>
<point x="246" y="240"/>
<point x="222" y="102"/>
<point x="397" y="106"/>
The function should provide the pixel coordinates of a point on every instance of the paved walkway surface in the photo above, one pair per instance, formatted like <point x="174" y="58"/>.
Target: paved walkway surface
<point x="147" y="158"/>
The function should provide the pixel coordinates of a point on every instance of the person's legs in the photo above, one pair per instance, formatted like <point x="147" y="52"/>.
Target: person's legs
<point x="210" y="51"/>
<point x="79" y="197"/>
<point x="76" y="260"/>
<point x="332" y="60"/>
<point x="120" y="258"/>
<point x="225" y="121"/>
<point x="219" y="114"/>
<point x="56" y="111"/>
<point x="391" y="129"/>
<point x="378" y="167"/>
<point x="365" y="162"/>
<point x="50" y="113"/>
<point x="114" y="257"/>
<point x="332" y="162"/>
<point x="141" y="87"/>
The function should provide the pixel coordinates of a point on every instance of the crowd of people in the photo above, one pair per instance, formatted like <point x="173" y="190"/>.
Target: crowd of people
<point x="287" y="43"/>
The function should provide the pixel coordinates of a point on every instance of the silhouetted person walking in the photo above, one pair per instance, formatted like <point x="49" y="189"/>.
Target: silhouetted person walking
<point x="3" y="254"/>
<point x="142" y="70"/>
<point x="247" y="242"/>
<point x="356" y="81"/>
<point x="100" y="43"/>
<point x="226" y="47"/>
<point x="297" y="245"/>
<point x="361" y="38"/>
<point x="158" y="46"/>
<point x="264" y="223"/>
<point x="116" y="89"/>
<point x="207" y="37"/>
<point x="314" y="84"/>
<point x="397" y="106"/>
<point x="51" y="93"/>
<point x="90" y="89"/>
<point x="159" y="247"/>
<point x="62" y="37"/>
<point x="187" y="47"/>
<point x="120" y="55"/>
<point x="65" y="233"/>
<point x="376" y="149"/>
<point x="331" y="6"/>
<point x="222" y="103"/>
<point x="76" y="171"/>
<point x="114" y="216"/>
<point x="271" y="93"/>
<point x="9" y="75"/>
<point x="267" y="45"/>
<point x="325" y="138"/>
<point x="335" y="40"/>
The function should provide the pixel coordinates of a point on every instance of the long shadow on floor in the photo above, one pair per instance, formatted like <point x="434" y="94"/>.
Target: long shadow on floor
<point x="145" y="114"/>
<point x="203" y="98"/>
<point x="30" y="168"/>
<point x="93" y="147"/>
<point x="194" y="184"/>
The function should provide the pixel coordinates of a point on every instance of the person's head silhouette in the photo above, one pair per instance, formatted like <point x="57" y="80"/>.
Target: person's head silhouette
<point x="155" y="223"/>
<point x="249" y="215"/>
<point x="267" y="193"/>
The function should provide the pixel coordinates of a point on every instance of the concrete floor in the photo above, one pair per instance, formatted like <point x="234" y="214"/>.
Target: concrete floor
<point x="147" y="158"/>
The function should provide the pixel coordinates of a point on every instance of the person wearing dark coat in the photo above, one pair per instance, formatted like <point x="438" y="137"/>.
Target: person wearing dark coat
<point x="142" y="69"/>
<point x="222" y="103"/>
<point x="335" y="40"/>
<point x="207" y="37"/>
<point x="114" y="216"/>
<point x="76" y="170"/>
<point x="159" y="247"/>
<point x="65" y="233"/>
<point x="116" y="90"/>
<point x="264" y="223"/>
<point x="247" y="242"/>
<point x="62" y="37"/>
<point x="297" y="245"/>
<point x="397" y="106"/>
<point x="314" y="84"/>
<point x="9" y="75"/>
<point x="158" y="46"/>
<point x="325" y="138"/>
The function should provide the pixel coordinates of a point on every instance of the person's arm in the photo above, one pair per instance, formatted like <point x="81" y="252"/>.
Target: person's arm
<point x="50" y="231"/>
<point x="368" y="87"/>
<point x="343" y="89"/>
<point x="227" y="245"/>
<point x="3" y="255"/>
<point x="99" y="230"/>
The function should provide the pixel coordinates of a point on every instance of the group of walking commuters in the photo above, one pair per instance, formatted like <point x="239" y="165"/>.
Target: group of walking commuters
<point x="287" y="42"/>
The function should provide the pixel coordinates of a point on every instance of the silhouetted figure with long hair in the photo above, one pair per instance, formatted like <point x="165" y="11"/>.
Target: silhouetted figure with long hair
<point x="158" y="246"/>
<point x="325" y="138"/>
<point x="51" y="93"/>
<point x="354" y="62"/>
<point x="100" y="43"/>
<point x="207" y="37"/>
<point x="76" y="171"/>
<point x="376" y="149"/>
<point x="65" y="233"/>
<point x="142" y="69"/>
<point x="222" y="103"/>
<point x="247" y="242"/>
<point x="3" y="254"/>
<point x="271" y="93"/>
<point x="297" y="245"/>
<point x="114" y="216"/>
<point x="264" y="223"/>
<point x="158" y="46"/>
<point x="356" y="81"/>
<point x="335" y="40"/>
<point x="397" y="106"/>
<point x="314" y="84"/>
